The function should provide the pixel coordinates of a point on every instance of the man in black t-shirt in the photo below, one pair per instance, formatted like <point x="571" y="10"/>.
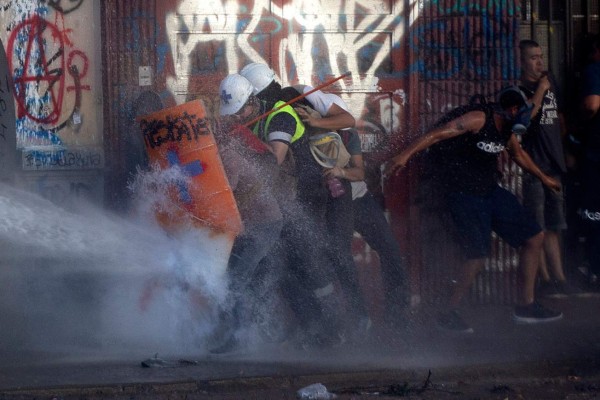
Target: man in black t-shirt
<point x="544" y="143"/>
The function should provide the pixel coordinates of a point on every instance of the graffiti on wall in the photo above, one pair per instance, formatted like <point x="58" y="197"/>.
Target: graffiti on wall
<point x="69" y="158"/>
<point x="473" y="43"/>
<point x="64" y="6"/>
<point x="480" y="46"/>
<point x="310" y="41"/>
<point x="51" y="77"/>
<point x="300" y="43"/>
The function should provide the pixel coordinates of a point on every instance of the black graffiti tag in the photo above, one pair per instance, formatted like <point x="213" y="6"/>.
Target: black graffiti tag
<point x="71" y="5"/>
<point x="176" y="128"/>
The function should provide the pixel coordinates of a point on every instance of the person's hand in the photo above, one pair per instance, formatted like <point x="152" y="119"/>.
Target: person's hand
<point x="552" y="183"/>
<point x="393" y="166"/>
<point x="335" y="172"/>
<point x="307" y="115"/>
<point x="544" y="83"/>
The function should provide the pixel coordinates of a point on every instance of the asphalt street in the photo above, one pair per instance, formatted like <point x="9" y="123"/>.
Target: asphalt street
<point x="563" y="352"/>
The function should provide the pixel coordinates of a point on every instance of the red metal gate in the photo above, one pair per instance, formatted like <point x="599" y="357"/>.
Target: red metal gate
<point x="411" y="60"/>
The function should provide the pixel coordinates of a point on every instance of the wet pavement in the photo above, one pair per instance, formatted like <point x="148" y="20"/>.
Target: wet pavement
<point x="388" y="364"/>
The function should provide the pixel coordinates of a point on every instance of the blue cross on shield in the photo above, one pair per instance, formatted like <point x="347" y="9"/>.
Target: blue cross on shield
<point x="191" y="169"/>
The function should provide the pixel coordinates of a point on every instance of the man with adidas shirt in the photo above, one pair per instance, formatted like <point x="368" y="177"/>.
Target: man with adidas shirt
<point x="472" y="143"/>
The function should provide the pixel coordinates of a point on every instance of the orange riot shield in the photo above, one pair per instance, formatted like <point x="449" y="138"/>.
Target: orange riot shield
<point x="181" y="136"/>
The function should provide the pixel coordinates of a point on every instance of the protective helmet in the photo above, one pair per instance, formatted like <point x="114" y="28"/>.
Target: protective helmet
<point x="234" y="91"/>
<point x="260" y="75"/>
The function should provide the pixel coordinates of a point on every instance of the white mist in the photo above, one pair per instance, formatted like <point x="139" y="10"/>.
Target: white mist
<point x="87" y="283"/>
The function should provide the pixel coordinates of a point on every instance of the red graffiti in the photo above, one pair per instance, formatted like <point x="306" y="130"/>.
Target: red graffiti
<point x="35" y="72"/>
<point x="77" y="71"/>
<point x="40" y="80"/>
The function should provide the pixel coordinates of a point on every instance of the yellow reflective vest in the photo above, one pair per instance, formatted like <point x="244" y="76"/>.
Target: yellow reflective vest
<point x="300" y="129"/>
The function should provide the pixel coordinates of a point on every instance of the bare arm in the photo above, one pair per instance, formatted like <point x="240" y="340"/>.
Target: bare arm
<point x="279" y="149"/>
<point x="470" y="122"/>
<point x="524" y="161"/>
<point x="590" y="106"/>
<point x="354" y="172"/>
<point x="336" y="118"/>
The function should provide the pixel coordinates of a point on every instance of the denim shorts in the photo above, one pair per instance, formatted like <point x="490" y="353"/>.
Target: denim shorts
<point x="477" y="216"/>
<point x="546" y="206"/>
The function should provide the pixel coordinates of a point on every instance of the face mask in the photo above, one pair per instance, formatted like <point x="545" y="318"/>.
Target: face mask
<point x="522" y="120"/>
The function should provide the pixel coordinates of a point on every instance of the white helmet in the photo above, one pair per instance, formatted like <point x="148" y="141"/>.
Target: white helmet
<point x="234" y="92"/>
<point x="260" y="75"/>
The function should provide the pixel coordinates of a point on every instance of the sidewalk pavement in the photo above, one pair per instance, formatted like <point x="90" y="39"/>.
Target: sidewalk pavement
<point x="498" y="347"/>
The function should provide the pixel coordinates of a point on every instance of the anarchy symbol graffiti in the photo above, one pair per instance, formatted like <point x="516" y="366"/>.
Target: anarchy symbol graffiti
<point x="39" y="80"/>
<point x="39" y="77"/>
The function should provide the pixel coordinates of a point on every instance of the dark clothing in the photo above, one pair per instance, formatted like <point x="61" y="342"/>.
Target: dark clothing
<point x="306" y="271"/>
<point x="370" y="223"/>
<point x="340" y="230"/>
<point x="470" y="161"/>
<point x="308" y="173"/>
<point x="546" y="205"/>
<point x="476" y="202"/>
<point x="590" y="207"/>
<point x="351" y="141"/>
<point x="544" y="144"/>
<point x="543" y="141"/>
<point x="591" y="181"/>
<point x="476" y="216"/>
<point x="249" y="250"/>
<point x="592" y="87"/>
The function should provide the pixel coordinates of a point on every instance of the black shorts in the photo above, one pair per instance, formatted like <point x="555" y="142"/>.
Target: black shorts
<point x="477" y="216"/>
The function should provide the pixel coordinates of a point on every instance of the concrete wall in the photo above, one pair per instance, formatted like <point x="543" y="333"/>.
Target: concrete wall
<point x="53" y="51"/>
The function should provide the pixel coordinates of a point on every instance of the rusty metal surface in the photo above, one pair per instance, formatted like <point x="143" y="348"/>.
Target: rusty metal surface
<point x="411" y="62"/>
<point x="468" y="50"/>
<point x="129" y="41"/>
